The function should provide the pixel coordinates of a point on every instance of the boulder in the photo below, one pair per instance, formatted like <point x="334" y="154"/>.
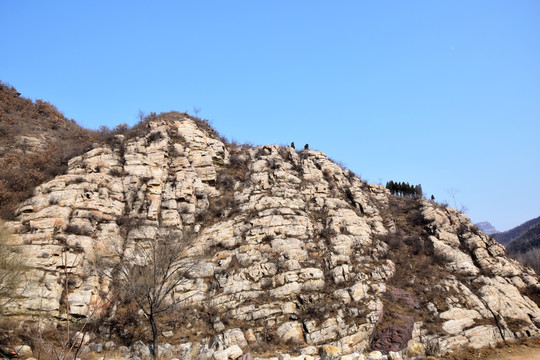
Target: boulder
<point x="329" y="352"/>
<point x="230" y="353"/>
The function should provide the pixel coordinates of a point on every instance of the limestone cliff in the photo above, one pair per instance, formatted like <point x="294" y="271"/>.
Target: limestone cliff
<point x="296" y="252"/>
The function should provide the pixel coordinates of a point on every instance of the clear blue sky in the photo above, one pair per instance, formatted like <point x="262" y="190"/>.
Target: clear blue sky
<point x="442" y="93"/>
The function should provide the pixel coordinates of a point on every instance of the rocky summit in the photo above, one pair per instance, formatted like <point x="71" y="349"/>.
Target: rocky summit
<point x="295" y="254"/>
<point x="487" y="228"/>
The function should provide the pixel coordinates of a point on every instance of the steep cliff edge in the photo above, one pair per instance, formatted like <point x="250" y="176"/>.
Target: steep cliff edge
<point x="295" y="251"/>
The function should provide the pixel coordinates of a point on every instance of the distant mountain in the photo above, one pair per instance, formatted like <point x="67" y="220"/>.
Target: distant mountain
<point x="521" y="237"/>
<point x="486" y="228"/>
<point x="523" y="243"/>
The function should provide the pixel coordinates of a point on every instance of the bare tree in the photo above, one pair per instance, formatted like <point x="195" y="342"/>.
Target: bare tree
<point x="529" y="258"/>
<point x="452" y="192"/>
<point x="141" y="115"/>
<point x="150" y="271"/>
<point x="12" y="269"/>
<point x="60" y="343"/>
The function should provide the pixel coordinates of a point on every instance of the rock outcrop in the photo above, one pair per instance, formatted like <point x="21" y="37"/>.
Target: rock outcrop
<point x="297" y="254"/>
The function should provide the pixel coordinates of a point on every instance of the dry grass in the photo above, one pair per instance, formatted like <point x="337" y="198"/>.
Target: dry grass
<point x="25" y="163"/>
<point x="525" y="349"/>
<point x="417" y="271"/>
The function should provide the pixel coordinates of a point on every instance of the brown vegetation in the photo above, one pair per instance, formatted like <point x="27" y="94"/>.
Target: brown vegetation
<point x="417" y="274"/>
<point x="12" y="269"/>
<point x="36" y="142"/>
<point x="529" y="258"/>
<point x="150" y="279"/>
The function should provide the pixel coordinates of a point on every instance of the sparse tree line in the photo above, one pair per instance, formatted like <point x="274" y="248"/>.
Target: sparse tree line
<point x="404" y="189"/>
<point x="529" y="258"/>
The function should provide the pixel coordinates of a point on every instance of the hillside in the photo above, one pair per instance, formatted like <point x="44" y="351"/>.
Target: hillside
<point x="289" y="253"/>
<point x="36" y="142"/>
<point x="523" y="234"/>
<point x="523" y="243"/>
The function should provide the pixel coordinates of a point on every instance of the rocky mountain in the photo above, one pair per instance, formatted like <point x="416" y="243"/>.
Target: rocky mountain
<point x="486" y="228"/>
<point x="295" y="255"/>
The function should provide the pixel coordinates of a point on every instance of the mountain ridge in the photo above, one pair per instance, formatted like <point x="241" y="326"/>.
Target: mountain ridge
<point x="296" y="253"/>
<point x="508" y="236"/>
<point x="523" y="243"/>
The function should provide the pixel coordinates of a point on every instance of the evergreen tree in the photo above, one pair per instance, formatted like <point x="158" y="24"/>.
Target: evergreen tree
<point x="404" y="189"/>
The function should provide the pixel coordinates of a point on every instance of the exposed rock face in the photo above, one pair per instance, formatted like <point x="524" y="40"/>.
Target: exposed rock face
<point x="294" y="249"/>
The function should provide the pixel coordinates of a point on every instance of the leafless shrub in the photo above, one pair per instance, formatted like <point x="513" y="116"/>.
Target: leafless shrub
<point x="238" y="168"/>
<point x="432" y="347"/>
<point x="273" y="163"/>
<point x="155" y="136"/>
<point x="327" y="233"/>
<point x="267" y="238"/>
<point x="78" y="230"/>
<point x="225" y="181"/>
<point x="12" y="269"/>
<point x="115" y="172"/>
<point x="416" y="243"/>
<point x="262" y="151"/>
<point x="238" y="161"/>
<point x="222" y="207"/>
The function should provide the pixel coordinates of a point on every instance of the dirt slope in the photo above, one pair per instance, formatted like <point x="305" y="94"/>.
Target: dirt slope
<point x="526" y="349"/>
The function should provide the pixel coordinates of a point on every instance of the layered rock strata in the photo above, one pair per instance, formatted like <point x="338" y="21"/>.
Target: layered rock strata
<point x="295" y="252"/>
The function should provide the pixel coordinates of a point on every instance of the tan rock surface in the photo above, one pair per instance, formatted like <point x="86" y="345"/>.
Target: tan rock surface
<point x="292" y="246"/>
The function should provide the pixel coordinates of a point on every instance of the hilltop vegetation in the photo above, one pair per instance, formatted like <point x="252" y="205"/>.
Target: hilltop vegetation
<point x="404" y="189"/>
<point x="37" y="141"/>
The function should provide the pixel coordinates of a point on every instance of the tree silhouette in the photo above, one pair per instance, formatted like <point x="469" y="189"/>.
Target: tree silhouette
<point x="150" y="274"/>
